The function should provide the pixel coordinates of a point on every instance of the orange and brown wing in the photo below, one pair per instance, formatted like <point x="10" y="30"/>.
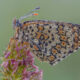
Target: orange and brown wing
<point x="50" y="41"/>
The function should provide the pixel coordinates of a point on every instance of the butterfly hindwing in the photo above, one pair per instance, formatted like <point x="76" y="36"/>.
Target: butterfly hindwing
<point x="50" y="41"/>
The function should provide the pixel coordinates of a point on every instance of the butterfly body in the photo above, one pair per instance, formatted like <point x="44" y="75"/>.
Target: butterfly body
<point x="50" y="40"/>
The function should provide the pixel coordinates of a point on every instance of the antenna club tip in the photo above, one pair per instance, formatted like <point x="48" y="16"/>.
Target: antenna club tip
<point x="38" y="7"/>
<point x="35" y="14"/>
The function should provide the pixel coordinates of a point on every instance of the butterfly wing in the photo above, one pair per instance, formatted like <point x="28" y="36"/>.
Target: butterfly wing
<point x="50" y="41"/>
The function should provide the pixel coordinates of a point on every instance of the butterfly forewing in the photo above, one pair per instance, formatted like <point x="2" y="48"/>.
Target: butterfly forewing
<point x="50" y="41"/>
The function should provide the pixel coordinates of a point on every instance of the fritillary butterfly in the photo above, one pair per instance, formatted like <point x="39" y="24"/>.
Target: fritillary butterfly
<point x="50" y="41"/>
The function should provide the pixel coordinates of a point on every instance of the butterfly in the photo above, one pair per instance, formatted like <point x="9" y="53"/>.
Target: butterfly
<point x="50" y="41"/>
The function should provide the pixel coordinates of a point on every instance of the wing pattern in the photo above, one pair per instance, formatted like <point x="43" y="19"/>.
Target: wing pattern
<point x="50" y="41"/>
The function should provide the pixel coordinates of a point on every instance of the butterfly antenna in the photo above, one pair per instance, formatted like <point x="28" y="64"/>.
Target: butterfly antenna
<point x="17" y="22"/>
<point x="31" y="13"/>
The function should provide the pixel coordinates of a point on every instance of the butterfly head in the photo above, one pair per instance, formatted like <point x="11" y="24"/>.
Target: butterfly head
<point x="16" y="23"/>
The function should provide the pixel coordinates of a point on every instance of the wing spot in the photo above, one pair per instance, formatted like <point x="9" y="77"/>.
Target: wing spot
<point x="54" y="51"/>
<point x="38" y="35"/>
<point x="63" y="43"/>
<point x="46" y="36"/>
<point x="58" y="47"/>
<point x="51" y="58"/>
<point x="35" y="47"/>
<point x="40" y="28"/>
<point x="63" y="38"/>
<point x="61" y="32"/>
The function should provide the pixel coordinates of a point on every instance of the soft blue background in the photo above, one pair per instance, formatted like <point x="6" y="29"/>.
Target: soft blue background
<point x="59" y="10"/>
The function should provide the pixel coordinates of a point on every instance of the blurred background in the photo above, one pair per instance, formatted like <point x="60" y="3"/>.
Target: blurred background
<point x="59" y="10"/>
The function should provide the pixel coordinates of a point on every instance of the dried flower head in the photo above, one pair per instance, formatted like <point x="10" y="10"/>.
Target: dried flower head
<point x="18" y="63"/>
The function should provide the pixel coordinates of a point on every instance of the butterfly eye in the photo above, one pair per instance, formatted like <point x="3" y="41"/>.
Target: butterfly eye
<point x="16" y="23"/>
